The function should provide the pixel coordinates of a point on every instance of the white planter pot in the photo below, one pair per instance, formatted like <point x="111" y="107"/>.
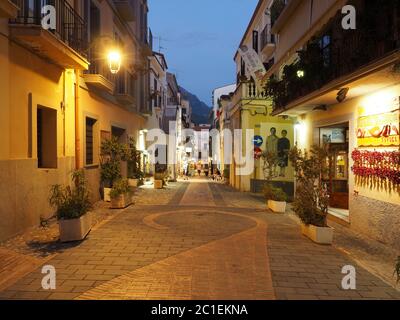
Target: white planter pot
<point x="121" y="202"/>
<point x="277" y="206"/>
<point x="75" y="229"/>
<point x="317" y="234"/>
<point x="158" y="184"/>
<point x="107" y="197"/>
<point x="133" y="182"/>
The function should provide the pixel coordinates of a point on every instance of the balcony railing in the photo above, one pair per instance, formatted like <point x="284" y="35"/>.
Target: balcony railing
<point x="339" y="53"/>
<point x="125" y="87"/>
<point x="98" y="66"/>
<point x="266" y="37"/>
<point x="276" y="9"/>
<point x="247" y="90"/>
<point x="70" y="27"/>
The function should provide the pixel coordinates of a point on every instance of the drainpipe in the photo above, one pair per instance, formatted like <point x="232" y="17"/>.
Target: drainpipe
<point x="77" y="133"/>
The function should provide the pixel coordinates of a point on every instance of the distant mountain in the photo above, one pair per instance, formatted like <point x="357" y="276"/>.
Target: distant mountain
<point x="200" y="110"/>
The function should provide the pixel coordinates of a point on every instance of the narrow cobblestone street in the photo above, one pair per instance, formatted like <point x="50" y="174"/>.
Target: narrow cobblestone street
<point x="192" y="240"/>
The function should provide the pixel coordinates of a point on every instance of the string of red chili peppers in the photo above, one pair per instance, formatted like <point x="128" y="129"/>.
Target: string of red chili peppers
<point x="383" y="165"/>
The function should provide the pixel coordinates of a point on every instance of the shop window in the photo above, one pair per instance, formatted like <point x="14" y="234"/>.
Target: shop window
<point x="46" y="137"/>
<point x="90" y="141"/>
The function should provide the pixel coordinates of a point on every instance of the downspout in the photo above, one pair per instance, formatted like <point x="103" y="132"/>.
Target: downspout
<point x="77" y="133"/>
<point x="78" y="8"/>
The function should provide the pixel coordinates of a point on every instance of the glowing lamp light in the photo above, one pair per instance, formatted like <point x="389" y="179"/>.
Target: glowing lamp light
<point x="114" y="61"/>
<point x="300" y="73"/>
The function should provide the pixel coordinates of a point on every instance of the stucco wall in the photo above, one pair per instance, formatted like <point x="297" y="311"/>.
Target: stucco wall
<point x="24" y="192"/>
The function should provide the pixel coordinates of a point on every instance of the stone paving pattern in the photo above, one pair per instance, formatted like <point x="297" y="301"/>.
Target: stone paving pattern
<point x="198" y="240"/>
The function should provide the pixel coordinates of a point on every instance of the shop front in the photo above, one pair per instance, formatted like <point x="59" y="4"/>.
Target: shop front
<point x="361" y="137"/>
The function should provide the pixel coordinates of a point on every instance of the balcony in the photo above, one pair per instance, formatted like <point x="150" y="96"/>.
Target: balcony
<point x="125" y="88"/>
<point x="281" y="10"/>
<point x="125" y="9"/>
<point x="65" y="46"/>
<point x="267" y="41"/>
<point x="99" y="76"/>
<point x="362" y="60"/>
<point x="8" y="9"/>
<point x="247" y="90"/>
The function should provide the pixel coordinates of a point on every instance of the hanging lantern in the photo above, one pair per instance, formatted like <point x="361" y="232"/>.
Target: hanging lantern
<point x="114" y="61"/>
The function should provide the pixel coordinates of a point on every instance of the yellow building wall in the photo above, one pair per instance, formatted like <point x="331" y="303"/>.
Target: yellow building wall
<point x="26" y="82"/>
<point x="257" y="118"/>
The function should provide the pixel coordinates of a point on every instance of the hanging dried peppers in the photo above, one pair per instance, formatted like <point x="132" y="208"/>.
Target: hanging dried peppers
<point x="375" y="164"/>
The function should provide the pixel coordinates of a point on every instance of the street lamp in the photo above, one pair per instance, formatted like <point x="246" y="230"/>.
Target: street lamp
<point x="114" y="61"/>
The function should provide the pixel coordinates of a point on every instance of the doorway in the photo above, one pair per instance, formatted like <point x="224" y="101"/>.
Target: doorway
<point x="335" y="139"/>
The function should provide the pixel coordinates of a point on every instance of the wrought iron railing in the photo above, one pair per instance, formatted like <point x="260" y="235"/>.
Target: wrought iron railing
<point x="276" y="9"/>
<point x="70" y="27"/>
<point x="267" y="37"/>
<point x="125" y="84"/>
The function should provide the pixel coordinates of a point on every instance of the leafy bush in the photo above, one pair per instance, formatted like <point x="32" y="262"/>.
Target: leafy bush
<point x="110" y="172"/>
<point x="71" y="202"/>
<point x="120" y="187"/>
<point x="397" y="269"/>
<point x="133" y="158"/>
<point x="312" y="199"/>
<point x="112" y="153"/>
<point x="274" y="194"/>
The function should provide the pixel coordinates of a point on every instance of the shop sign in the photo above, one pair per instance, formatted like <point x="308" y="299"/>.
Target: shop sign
<point x="379" y="130"/>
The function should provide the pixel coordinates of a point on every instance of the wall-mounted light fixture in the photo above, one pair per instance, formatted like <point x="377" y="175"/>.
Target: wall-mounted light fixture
<point x="300" y="74"/>
<point x="322" y="107"/>
<point x="342" y="94"/>
<point x="114" y="61"/>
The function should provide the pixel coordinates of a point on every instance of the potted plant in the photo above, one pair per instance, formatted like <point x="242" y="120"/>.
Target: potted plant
<point x="311" y="200"/>
<point x="397" y="269"/>
<point x="135" y="175"/>
<point x="72" y="206"/>
<point x="159" y="176"/>
<point x="276" y="198"/>
<point x="120" y="194"/>
<point x="112" y="152"/>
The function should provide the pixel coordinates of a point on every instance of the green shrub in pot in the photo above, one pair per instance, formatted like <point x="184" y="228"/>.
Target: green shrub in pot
<point x="72" y="205"/>
<point x="312" y="199"/>
<point x="71" y="202"/>
<point x="274" y="194"/>
<point x="311" y="202"/>
<point x="119" y="188"/>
